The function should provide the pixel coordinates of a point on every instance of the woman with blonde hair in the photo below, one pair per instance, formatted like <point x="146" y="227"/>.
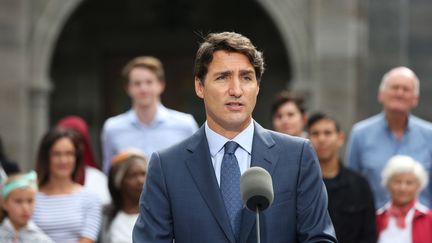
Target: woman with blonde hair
<point x="404" y="219"/>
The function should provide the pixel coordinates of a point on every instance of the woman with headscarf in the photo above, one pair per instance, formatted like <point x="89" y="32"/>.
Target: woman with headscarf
<point x="404" y="219"/>
<point x="125" y="180"/>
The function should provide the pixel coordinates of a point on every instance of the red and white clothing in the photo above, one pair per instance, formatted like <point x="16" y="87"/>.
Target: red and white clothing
<point x="416" y="227"/>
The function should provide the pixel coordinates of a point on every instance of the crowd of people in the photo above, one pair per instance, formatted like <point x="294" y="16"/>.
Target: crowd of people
<point x="162" y="178"/>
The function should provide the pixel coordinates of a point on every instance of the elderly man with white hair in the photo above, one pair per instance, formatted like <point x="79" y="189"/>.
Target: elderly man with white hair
<point x="404" y="219"/>
<point x="394" y="131"/>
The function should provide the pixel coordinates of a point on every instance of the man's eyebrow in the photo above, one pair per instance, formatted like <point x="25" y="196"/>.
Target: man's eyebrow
<point x="223" y="73"/>
<point x="243" y="72"/>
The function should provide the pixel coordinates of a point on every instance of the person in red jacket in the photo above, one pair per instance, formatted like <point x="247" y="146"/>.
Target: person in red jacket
<point x="404" y="219"/>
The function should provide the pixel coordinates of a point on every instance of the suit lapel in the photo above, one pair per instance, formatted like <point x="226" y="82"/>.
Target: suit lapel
<point x="262" y="156"/>
<point x="201" y="168"/>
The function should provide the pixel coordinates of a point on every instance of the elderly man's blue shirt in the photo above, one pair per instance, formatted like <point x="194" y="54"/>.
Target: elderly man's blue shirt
<point x="372" y="144"/>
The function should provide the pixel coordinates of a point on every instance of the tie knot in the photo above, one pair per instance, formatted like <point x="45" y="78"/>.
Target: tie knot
<point x="230" y="147"/>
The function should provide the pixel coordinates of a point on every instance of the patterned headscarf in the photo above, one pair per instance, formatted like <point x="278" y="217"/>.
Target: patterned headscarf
<point x="123" y="160"/>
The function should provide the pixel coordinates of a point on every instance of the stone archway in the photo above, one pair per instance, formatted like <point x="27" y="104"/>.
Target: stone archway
<point x="117" y="40"/>
<point x="290" y="18"/>
<point x="54" y="15"/>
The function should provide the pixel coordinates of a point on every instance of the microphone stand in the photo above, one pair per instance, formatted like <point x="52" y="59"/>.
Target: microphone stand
<point x="258" y="226"/>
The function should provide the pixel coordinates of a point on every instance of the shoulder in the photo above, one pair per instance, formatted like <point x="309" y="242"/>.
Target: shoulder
<point x="186" y="145"/>
<point x="355" y="178"/>
<point x="174" y="154"/>
<point x="95" y="174"/>
<point x="420" y="123"/>
<point x="368" y="123"/>
<point x="288" y="147"/>
<point x="37" y="235"/>
<point x="179" y="116"/>
<point x="88" y="196"/>
<point x="352" y="174"/>
<point x="282" y="140"/>
<point x="5" y="227"/>
<point x="285" y="137"/>
<point x="382" y="212"/>
<point x="117" y="121"/>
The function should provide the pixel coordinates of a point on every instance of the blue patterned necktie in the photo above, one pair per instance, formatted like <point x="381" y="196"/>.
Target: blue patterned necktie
<point x="230" y="186"/>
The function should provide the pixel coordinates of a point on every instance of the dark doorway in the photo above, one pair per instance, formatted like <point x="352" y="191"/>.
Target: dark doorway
<point x="102" y="35"/>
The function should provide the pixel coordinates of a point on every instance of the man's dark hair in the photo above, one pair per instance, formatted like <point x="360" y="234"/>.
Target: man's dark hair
<point x="284" y="97"/>
<point x="230" y="42"/>
<point x="319" y="116"/>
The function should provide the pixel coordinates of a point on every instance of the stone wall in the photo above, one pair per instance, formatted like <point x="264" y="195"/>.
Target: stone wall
<point x="334" y="52"/>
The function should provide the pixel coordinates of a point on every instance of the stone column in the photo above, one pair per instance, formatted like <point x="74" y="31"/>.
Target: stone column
<point x="338" y="29"/>
<point x="14" y="31"/>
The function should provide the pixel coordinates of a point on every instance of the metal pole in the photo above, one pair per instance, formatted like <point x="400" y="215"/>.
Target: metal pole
<point x="258" y="226"/>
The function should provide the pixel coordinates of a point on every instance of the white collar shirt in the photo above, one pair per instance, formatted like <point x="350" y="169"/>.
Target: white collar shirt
<point x="243" y="153"/>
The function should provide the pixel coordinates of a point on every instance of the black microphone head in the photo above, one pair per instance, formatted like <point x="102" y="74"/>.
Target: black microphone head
<point x="256" y="188"/>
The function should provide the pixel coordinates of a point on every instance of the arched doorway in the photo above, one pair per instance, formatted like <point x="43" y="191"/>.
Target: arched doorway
<point x="101" y="36"/>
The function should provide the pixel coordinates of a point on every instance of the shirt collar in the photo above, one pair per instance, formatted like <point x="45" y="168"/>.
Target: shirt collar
<point x="29" y="227"/>
<point x="216" y="141"/>
<point x="385" y="122"/>
<point x="162" y="115"/>
<point x="417" y="206"/>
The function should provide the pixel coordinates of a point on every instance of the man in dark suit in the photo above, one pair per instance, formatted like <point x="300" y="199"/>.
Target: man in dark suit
<point x="192" y="189"/>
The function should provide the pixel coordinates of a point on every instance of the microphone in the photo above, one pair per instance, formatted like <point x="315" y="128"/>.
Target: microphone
<point x="256" y="189"/>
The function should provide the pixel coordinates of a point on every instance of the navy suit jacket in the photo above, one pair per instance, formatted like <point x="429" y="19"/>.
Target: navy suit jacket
<point x="181" y="199"/>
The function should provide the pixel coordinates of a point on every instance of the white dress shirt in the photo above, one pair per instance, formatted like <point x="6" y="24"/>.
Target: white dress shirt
<point x="216" y="144"/>
<point x="126" y="131"/>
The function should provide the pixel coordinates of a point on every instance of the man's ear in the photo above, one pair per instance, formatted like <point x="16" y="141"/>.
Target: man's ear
<point x="126" y="88"/>
<point x="415" y="102"/>
<point x="199" y="88"/>
<point x="305" y="119"/>
<point x="162" y="86"/>
<point x="341" y="138"/>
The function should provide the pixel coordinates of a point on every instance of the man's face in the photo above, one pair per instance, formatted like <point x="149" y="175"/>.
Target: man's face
<point x="326" y="140"/>
<point x="229" y="91"/>
<point x="289" y="119"/>
<point x="398" y="94"/>
<point x="144" y="87"/>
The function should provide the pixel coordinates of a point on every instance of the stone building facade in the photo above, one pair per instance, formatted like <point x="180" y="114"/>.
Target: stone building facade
<point x="63" y="57"/>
